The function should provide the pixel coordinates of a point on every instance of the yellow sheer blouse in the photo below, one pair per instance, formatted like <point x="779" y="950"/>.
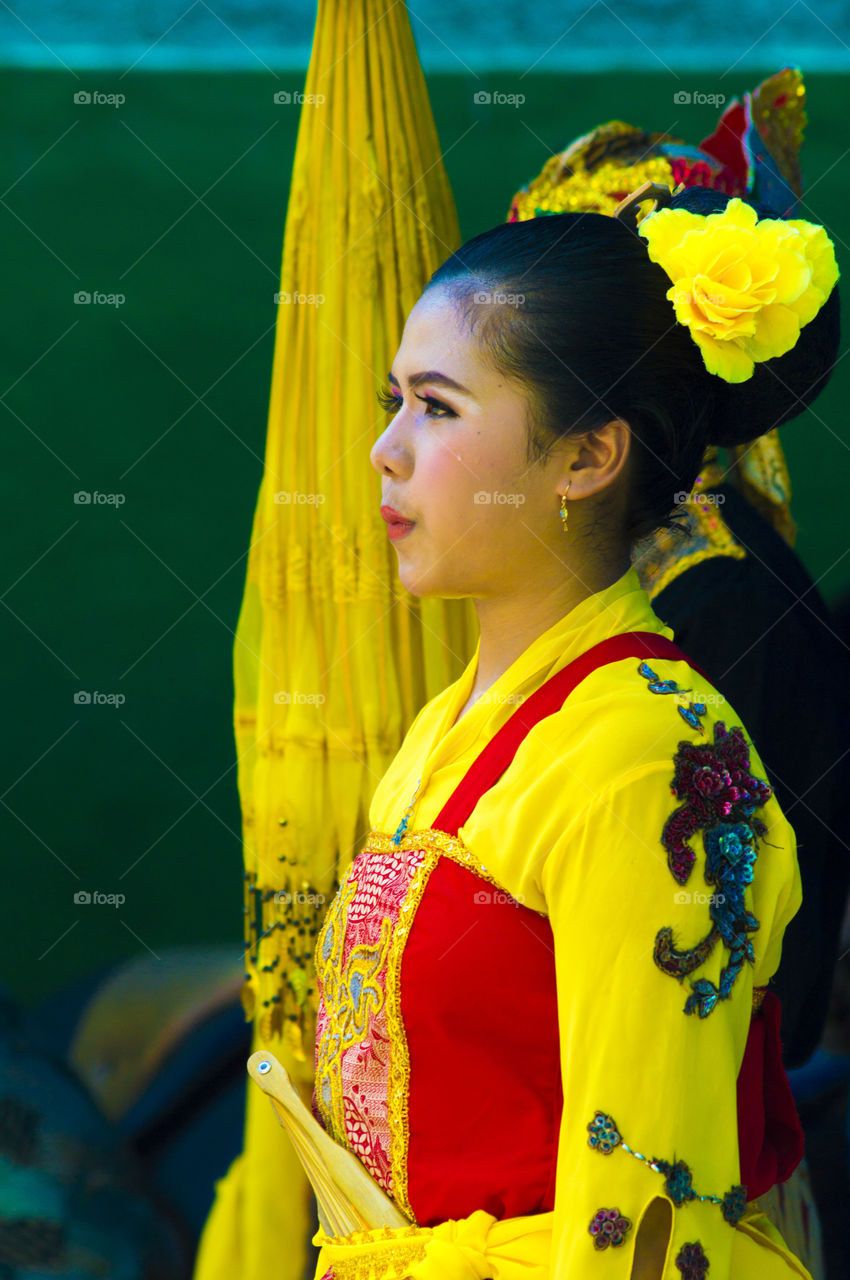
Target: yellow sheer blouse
<point x="573" y="829"/>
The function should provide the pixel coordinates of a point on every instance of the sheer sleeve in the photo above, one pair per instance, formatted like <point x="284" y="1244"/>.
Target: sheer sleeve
<point x="665" y="910"/>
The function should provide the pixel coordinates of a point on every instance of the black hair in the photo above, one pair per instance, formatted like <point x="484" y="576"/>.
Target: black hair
<point x="584" y="324"/>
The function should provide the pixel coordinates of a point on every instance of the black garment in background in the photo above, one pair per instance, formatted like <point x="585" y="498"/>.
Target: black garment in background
<point x="760" y="630"/>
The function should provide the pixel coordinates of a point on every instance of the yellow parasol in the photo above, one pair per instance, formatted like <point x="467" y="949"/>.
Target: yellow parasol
<point x="333" y="658"/>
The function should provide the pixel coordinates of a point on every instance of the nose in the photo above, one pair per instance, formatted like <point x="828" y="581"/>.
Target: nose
<point x="389" y="455"/>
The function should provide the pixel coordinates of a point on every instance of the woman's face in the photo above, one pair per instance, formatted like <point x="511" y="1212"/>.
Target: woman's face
<point x="453" y="460"/>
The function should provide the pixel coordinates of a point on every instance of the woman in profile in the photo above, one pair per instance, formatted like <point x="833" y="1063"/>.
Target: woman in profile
<point x="539" y="978"/>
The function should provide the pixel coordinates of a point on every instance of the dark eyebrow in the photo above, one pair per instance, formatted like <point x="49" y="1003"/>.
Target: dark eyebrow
<point x="441" y="380"/>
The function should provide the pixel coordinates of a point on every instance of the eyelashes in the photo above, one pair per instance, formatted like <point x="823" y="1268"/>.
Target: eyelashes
<point x="391" y="402"/>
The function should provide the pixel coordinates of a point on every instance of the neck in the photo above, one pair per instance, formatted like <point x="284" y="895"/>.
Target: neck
<point x="508" y="625"/>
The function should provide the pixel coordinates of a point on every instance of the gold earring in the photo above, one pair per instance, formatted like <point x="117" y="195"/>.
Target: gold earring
<point x="563" y="511"/>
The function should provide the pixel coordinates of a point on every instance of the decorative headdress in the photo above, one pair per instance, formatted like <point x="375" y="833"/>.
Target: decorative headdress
<point x="753" y="152"/>
<point x="744" y="287"/>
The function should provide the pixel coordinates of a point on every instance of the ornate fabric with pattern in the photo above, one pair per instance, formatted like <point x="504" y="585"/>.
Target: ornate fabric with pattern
<point x="352" y="1040"/>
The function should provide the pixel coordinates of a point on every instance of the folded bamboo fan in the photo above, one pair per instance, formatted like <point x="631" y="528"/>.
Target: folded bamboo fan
<point x="348" y="1197"/>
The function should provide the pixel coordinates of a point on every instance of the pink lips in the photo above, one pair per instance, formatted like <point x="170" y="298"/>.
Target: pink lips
<point x="397" y="525"/>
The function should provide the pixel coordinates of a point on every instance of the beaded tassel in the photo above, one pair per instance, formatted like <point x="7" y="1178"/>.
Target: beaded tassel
<point x="402" y="826"/>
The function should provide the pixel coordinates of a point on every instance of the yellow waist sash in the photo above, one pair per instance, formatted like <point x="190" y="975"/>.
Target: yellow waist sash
<point x="481" y="1247"/>
<point x="473" y="1248"/>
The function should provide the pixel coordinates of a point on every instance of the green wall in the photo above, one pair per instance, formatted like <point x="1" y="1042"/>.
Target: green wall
<point x="142" y="600"/>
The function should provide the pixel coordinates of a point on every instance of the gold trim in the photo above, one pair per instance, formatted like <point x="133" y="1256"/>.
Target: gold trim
<point x="398" y="1072"/>
<point x="576" y="181"/>
<point x="380" y="1254"/>
<point x="761" y="472"/>
<point x="374" y="1265"/>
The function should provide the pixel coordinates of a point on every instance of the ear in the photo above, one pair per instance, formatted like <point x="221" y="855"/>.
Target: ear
<point x="599" y="458"/>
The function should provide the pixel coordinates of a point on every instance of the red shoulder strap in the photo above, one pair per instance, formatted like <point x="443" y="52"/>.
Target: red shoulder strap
<point x="502" y="747"/>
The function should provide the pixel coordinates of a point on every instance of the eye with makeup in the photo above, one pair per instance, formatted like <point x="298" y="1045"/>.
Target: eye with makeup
<point x="392" y="402"/>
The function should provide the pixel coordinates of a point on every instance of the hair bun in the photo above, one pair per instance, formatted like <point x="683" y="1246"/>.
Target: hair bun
<point x="781" y="388"/>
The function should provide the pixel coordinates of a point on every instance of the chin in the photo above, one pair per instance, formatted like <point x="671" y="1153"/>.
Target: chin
<point x="412" y="578"/>
<point x="426" y="587"/>
<point x="415" y="585"/>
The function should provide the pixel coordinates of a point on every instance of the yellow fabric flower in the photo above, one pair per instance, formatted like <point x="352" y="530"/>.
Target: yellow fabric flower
<point x="743" y="286"/>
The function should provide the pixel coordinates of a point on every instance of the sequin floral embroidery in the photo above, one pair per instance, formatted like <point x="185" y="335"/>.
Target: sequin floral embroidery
<point x="714" y="782"/>
<point x="692" y="1262"/>
<point x="608" y="1227"/>
<point x="678" y="1181"/>
<point x="604" y="1135"/>
<point x="720" y="795"/>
